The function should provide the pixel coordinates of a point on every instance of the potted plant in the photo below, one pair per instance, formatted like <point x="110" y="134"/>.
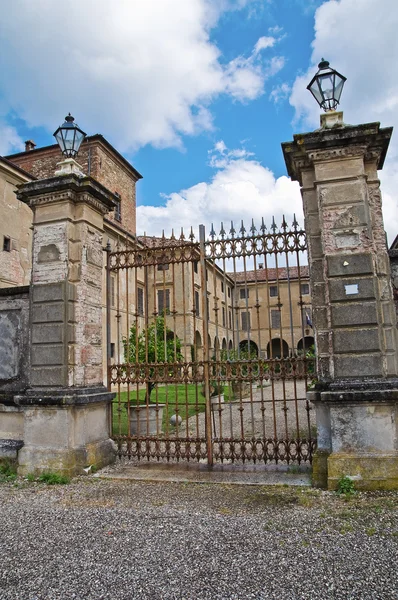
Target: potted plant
<point x="155" y="344"/>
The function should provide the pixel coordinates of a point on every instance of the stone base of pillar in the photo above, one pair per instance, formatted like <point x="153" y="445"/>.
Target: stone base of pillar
<point x="65" y="431"/>
<point x="369" y="471"/>
<point x="320" y="469"/>
<point x="357" y="434"/>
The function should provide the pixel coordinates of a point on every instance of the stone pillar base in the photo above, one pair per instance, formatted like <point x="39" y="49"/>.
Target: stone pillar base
<point x="66" y="462"/>
<point x="370" y="471"/>
<point x="65" y="431"/>
<point x="320" y="469"/>
<point x="357" y="426"/>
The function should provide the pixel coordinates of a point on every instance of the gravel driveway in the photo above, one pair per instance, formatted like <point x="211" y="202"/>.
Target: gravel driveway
<point x="98" y="539"/>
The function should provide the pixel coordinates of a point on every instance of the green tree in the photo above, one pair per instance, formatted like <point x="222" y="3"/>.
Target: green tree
<point x="157" y="344"/>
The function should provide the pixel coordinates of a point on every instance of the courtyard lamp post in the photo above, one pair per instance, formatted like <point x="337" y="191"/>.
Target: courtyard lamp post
<point x="326" y="86"/>
<point x="69" y="137"/>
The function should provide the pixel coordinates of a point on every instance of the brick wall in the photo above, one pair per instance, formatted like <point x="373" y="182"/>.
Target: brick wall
<point x="97" y="159"/>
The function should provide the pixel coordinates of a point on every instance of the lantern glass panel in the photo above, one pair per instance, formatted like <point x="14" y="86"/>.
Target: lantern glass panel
<point x="339" y="83"/>
<point x="326" y="83"/>
<point x="316" y="92"/>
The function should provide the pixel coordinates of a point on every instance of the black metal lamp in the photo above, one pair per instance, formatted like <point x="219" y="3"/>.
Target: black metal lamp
<point x="69" y="137"/>
<point x="326" y="86"/>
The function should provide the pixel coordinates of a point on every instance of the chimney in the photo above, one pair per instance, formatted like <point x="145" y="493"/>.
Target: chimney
<point x="29" y="145"/>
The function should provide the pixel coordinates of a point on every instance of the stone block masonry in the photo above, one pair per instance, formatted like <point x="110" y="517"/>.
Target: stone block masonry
<point x="66" y="409"/>
<point x="354" y="317"/>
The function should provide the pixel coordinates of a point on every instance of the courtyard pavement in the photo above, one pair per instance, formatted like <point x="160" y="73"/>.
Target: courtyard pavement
<point x="98" y="538"/>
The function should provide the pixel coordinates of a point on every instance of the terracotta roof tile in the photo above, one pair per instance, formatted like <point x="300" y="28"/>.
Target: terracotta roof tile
<point x="271" y="274"/>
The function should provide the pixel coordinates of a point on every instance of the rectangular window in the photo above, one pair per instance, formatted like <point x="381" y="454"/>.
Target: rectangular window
<point x="113" y="287"/>
<point x="229" y="292"/>
<point x="273" y="291"/>
<point x="197" y="304"/>
<point x="140" y="301"/>
<point x="118" y="207"/>
<point x="112" y="350"/>
<point x="163" y="301"/>
<point x="163" y="267"/>
<point x="222" y="287"/>
<point x="245" y="321"/>
<point x="244" y="293"/>
<point x="230" y="319"/>
<point x="223" y="317"/>
<point x="6" y="244"/>
<point x="305" y="289"/>
<point x="208" y="308"/>
<point x="275" y="319"/>
<point x="195" y="266"/>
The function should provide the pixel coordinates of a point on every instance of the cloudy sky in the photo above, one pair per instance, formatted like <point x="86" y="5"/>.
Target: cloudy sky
<point x="198" y="94"/>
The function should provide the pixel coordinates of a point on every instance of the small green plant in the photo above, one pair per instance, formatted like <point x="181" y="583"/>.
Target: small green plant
<point x="7" y="472"/>
<point x="31" y="477"/>
<point x="53" y="478"/>
<point x="346" y="486"/>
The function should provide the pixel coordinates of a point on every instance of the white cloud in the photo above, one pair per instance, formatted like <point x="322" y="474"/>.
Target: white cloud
<point x="264" y="42"/>
<point x="220" y="157"/>
<point x="10" y="141"/>
<point x="360" y="40"/>
<point x="142" y="72"/>
<point x="280" y="93"/>
<point x="241" y="189"/>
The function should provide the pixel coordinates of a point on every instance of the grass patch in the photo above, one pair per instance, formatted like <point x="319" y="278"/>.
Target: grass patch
<point x="53" y="479"/>
<point x="183" y="400"/>
<point x="8" y="472"/>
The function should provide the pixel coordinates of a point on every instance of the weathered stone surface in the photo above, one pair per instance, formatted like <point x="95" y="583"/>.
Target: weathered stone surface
<point x="355" y="340"/>
<point x="48" y="292"/>
<point x="48" y="313"/>
<point x="48" y="333"/>
<point x="351" y="314"/>
<point x="14" y="339"/>
<point x="10" y="332"/>
<point x="48" y="354"/>
<point x="355" y="289"/>
<point x="344" y="265"/>
<point x="359" y="365"/>
<point x="49" y="376"/>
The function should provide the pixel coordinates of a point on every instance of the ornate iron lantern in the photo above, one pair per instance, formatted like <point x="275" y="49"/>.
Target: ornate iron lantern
<point x="69" y="137"/>
<point x="326" y="86"/>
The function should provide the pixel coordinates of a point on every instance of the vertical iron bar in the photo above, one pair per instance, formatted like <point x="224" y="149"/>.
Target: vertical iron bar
<point x="108" y="314"/>
<point x="206" y="363"/>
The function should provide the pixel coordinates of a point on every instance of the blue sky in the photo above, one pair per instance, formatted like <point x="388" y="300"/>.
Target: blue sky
<point x="198" y="94"/>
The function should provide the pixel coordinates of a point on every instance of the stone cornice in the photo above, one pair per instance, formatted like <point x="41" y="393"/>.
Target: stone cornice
<point x="67" y="188"/>
<point x="367" y="140"/>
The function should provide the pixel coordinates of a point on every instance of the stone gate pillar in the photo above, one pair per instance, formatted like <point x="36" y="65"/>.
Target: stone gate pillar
<point x="66" y="409"/>
<point x="356" y="397"/>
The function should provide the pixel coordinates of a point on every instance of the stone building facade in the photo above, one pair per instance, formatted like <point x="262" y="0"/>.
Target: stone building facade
<point x="98" y="159"/>
<point x="15" y="228"/>
<point x="268" y="309"/>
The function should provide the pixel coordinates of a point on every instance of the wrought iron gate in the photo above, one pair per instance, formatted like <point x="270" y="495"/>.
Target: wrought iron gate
<point x="210" y="346"/>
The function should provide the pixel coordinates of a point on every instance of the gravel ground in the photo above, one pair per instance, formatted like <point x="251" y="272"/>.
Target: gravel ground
<point x="101" y="539"/>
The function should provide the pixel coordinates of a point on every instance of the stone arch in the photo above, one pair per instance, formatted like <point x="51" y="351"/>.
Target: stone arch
<point x="216" y="347"/>
<point x="305" y="344"/>
<point x="224" y="344"/>
<point x="198" y="348"/>
<point x="277" y="348"/>
<point x="249" y="346"/>
<point x="230" y="345"/>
